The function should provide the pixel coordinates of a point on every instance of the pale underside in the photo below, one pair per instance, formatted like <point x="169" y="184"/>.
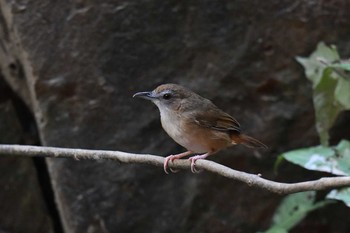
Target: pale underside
<point x="190" y="133"/>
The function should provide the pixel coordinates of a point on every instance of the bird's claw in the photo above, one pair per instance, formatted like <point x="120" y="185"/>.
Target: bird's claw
<point x="193" y="163"/>
<point x="166" y="164"/>
<point x="172" y="158"/>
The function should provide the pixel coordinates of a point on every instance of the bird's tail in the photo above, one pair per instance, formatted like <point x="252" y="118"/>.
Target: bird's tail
<point x="247" y="141"/>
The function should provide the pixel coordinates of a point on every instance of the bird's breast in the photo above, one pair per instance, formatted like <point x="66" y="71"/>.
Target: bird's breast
<point x="191" y="136"/>
<point x="172" y="124"/>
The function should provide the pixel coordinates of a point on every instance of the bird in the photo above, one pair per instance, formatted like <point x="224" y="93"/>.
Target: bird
<point x="195" y="123"/>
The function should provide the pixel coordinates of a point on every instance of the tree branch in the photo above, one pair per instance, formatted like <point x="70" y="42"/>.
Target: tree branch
<point x="123" y="157"/>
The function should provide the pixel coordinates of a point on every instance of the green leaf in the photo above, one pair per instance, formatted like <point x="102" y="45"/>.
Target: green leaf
<point x="326" y="106"/>
<point x="331" y="93"/>
<point x="314" y="64"/>
<point x="312" y="70"/>
<point x="313" y="158"/>
<point x="293" y="209"/>
<point x="343" y="148"/>
<point x="343" y="156"/>
<point x="278" y="162"/>
<point x="341" y="195"/>
<point x="345" y="65"/>
<point x="321" y="158"/>
<point x="342" y="92"/>
<point x="276" y="230"/>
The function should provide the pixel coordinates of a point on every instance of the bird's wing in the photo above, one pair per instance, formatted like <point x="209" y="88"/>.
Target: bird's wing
<point x="216" y="119"/>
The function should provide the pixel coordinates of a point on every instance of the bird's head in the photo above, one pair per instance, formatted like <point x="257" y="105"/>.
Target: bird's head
<point x="166" y="96"/>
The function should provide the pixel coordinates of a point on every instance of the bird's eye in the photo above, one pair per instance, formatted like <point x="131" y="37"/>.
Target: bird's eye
<point x="166" y="96"/>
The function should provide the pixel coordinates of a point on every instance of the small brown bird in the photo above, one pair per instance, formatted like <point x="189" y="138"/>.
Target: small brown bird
<point x="195" y="123"/>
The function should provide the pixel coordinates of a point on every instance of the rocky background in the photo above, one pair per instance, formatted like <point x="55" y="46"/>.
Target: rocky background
<point x="69" y="69"/>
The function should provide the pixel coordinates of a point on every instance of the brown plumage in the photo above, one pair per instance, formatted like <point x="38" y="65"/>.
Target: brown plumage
<point x="196" y="123"/>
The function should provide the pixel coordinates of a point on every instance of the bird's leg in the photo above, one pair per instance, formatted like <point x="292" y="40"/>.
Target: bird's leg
<point x="172" y="158"/>
<point x="193" y="160"/>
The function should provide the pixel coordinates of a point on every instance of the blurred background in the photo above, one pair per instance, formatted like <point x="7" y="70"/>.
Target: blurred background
<point x="68" y="70"/>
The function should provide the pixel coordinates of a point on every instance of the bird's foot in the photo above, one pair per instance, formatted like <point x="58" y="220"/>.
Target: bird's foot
<point x="166" y="164"/>
<point x="193" y="160"/>
<point x="172" y="158"/>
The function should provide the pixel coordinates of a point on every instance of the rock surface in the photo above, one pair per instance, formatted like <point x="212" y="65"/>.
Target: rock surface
<point x="81" y="61"/>
<point x="22" y="205"/>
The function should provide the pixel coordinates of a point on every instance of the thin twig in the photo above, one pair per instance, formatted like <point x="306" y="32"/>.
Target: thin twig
<point x="124" y="157"/>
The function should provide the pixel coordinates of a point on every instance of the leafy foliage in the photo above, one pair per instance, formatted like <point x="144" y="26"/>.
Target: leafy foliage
<point x="335" y="160"/>
<point x="330" y="79"/>
<point x="341" y="195"/>
<point x="293" y="209"/>
<point x="331" y="85"/>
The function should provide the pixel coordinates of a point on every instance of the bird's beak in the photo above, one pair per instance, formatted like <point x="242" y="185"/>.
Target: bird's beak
<point x="148" y="95"/>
